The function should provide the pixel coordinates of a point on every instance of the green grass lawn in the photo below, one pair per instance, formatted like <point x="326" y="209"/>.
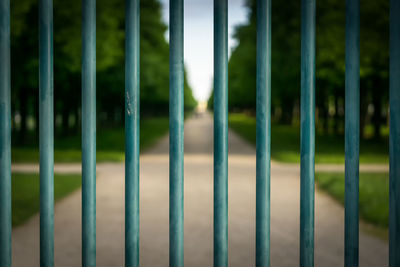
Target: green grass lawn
<point x="110" y="144"/>
<point x="285" y="143"/>
<point x="373" y="198"/>
<point x="25" y="193"/>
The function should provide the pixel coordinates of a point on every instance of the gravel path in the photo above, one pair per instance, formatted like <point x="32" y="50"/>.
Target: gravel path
<point x="198" y="212"/>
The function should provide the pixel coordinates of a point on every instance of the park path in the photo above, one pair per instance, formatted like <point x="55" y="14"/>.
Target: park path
<point x="285" y="188"/>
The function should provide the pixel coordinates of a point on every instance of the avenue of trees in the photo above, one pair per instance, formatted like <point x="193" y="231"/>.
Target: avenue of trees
<point x="154" y="61"/>
<point x="330" y="64"/>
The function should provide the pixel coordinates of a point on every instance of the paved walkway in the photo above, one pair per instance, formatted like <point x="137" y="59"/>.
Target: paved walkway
<point x="198" y="212"/>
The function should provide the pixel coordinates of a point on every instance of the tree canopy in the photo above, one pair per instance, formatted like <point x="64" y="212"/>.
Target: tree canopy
<point x="330" y="62"/>
<point x="110" y="43"/>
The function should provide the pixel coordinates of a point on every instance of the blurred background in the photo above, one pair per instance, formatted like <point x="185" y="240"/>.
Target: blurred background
<point x="199" y="68"/>
<point x="154" y="83"/>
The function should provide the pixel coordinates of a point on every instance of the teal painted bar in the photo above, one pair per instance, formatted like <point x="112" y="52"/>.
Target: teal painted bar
<point x="5" y="135"/>
<point x="307" y="135"/>
<point x="394" y="139"/>
<point x="176" y="134"/>
<point x="89" y="133"/>
<point x="132" y="131"/>
<point x="46" y="133"/>
<point x="263" y="134"/>
<point x="220" y="133"/>
<point x="352" y="131"/>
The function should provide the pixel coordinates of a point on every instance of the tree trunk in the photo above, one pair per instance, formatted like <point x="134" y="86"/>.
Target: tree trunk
<point x="325" y="115"/>
<point x="336" y="122"/>
<point x="287" y="113"/>
<point x="77" y="124"/>
<point x="377" y="118"/>
<point x="363" y="110"/>
<point x="65" y="120"/>
<point x="23" y="109"/>
<point x="36" y="109"/>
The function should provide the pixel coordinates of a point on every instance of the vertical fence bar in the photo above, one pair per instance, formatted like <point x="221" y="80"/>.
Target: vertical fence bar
<point x="176" y="134"/>
<point x="352" y="131"/>
<point x="132" y="132"/>
<point x="89" y="133"/>
<point x="394" y="147"/>
<point x="263" y="134"/>
<point x="220" y="133"/>
<point x="307" y="136"/>
<point x="5" y="135"/>
<point x="46" y="130"/>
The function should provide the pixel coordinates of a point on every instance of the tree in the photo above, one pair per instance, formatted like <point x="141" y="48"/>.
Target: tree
<point x="110" y="43"/>
<point x="330" y="62"/>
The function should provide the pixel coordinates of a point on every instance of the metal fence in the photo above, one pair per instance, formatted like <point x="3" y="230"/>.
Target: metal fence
<point x="132" y="99"/>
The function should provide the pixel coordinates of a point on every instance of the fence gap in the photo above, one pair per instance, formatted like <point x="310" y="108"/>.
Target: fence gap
<point x="89" y="133"/>
<point x="132" y="131"/>
<point x="5" y="136"/>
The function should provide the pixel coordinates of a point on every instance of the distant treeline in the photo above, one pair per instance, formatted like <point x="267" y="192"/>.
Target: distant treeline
<point x="154" y="62"/>
<point x="330" y="63"/>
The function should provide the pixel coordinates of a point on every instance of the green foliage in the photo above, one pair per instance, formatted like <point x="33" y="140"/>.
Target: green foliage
<point x="25" y="193"/>
<point x="110" y="143"/>
<point x="330" y="62"/>
<point x="329" y="148"/>
<point x="285" y="59"/>
<point x="374" y="194"/>
<point x="110" y="45"/>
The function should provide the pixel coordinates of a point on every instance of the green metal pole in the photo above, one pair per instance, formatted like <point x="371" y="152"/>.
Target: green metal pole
<point x="46" y="130"/>
<point x="307" y="136"/>
<point x="132" y="132"/>
<point x="394" y="140"/>
<point x="176" y="134"/>
<point x="5" y="136"/>
<point x="89" y="133"/>
<point x="220" y="133"/>
<point x="352" y="131"/>
<point x="263" y="134"/>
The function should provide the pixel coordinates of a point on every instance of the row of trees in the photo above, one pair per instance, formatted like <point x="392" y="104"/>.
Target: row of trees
<point x="154" y="61"/>
<point x="330" y="63"/>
